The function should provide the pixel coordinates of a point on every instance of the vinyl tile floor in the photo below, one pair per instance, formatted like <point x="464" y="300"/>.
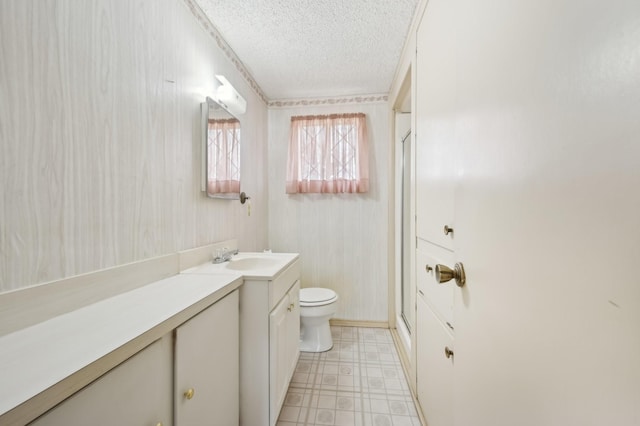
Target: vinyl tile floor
<point x="359" y="382"/>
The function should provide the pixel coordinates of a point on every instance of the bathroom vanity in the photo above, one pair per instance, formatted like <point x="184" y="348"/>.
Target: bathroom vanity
<point x="170" y="351"/>
<point x="156" y="355"/>
<point x="269" y="330"/>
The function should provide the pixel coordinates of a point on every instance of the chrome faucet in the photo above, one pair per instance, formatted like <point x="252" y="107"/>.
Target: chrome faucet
<point x="224" y="255"/>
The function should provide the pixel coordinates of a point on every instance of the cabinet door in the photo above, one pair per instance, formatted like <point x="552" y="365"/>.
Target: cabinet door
<point x="278" y="355"/>
<point x="207" y="366"/>
<point x="137" y="392"/>
<point x="293" y="330"/>
<point x="436" y="165"/>
<point x="434" y="369"/>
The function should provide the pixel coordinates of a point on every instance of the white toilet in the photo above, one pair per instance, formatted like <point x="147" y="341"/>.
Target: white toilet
<point x="317" y="305"/>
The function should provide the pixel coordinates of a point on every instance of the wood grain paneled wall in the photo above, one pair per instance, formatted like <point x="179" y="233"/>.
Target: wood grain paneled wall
<point x="342" y="238"/>
<point x="100" y="138"/>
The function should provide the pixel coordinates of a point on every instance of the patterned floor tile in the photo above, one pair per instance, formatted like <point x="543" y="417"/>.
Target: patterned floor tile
<point x="359" y="382"/>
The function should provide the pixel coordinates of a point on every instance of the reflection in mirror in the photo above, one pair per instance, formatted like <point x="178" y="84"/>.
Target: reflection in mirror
<point x="222" y="156"/>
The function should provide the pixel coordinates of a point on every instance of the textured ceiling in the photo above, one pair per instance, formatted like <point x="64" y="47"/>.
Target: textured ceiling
<point x="297" y="49"/>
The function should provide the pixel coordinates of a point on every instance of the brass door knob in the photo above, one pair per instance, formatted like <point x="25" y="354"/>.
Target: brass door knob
<point x="189" y="393"/>
<point x="444" y="274"/>
<point x="448" y="352"/>
<point x="447" y="230"/>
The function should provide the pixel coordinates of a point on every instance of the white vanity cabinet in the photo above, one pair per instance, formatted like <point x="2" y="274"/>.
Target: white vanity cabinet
<point x="206" y="363"/>
<point x="137" y="392"/>
<point x="131" y="359"/>
<point x="269" y="339"/>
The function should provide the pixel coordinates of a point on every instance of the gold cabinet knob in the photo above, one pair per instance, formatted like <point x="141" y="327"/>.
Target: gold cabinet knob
<point x="189" y="393"/>
<point x="444" y="274"/>
<point x="290" y="308"/>
<point x="447" y="230"/>
<point x="159" y="424"/>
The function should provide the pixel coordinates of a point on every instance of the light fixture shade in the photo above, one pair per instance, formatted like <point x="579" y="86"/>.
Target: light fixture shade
<point x="227" y="96"/>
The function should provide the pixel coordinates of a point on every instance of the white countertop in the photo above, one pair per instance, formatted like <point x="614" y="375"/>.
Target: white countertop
<point x="36" y="358"/>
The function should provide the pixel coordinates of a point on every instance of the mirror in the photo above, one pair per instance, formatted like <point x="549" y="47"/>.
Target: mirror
<point x="221" y="152"/>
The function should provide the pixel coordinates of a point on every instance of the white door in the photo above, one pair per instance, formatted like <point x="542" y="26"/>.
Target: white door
<point x="547" y="208"/>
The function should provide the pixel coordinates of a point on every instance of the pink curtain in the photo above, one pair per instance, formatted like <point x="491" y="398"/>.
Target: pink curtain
<point x="223" y="156"/>
<point x="328" y="154"/>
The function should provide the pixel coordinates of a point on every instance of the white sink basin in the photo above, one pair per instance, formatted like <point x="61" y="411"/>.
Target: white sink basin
<point x="248" y="263"/>
<point x="254" y="265"/>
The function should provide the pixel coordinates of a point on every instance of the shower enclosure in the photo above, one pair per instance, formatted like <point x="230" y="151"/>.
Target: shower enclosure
<point x="404" y="297"/>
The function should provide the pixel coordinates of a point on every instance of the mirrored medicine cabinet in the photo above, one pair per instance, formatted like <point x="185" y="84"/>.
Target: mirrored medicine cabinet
<point x="221" y="151"/>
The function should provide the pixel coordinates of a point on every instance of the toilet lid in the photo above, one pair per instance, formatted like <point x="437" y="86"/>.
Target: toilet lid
<point x="316" y="295"/>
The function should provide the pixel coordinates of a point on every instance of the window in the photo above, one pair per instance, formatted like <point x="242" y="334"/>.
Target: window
<point x="328" y="154"/>
<point x="223" y="156"/>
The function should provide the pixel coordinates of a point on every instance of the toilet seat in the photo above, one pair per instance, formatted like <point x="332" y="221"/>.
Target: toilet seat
<point x="315" y="296"/>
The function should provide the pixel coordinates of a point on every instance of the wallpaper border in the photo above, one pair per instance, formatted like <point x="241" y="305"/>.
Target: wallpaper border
<point x="334" y="100"/>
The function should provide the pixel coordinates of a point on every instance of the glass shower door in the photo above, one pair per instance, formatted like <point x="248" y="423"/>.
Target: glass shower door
<point x="407" y="311"/>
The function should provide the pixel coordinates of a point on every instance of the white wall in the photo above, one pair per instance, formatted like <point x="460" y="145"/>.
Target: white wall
<point x="342" y="238"/>
<point x="100" y="138"/>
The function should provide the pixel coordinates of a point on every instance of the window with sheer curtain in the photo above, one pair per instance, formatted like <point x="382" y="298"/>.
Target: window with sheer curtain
<point x="328" y="154"/>
<point x="223" y="167"/>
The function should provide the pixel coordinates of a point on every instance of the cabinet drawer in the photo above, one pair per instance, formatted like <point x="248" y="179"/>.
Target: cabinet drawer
<point x="434" y="370"/>
<point x="438" y="296"/>
<point x="282" y="283"/>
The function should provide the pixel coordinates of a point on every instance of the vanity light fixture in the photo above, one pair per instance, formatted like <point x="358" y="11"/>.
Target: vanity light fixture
<point x="229" y="97"/>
